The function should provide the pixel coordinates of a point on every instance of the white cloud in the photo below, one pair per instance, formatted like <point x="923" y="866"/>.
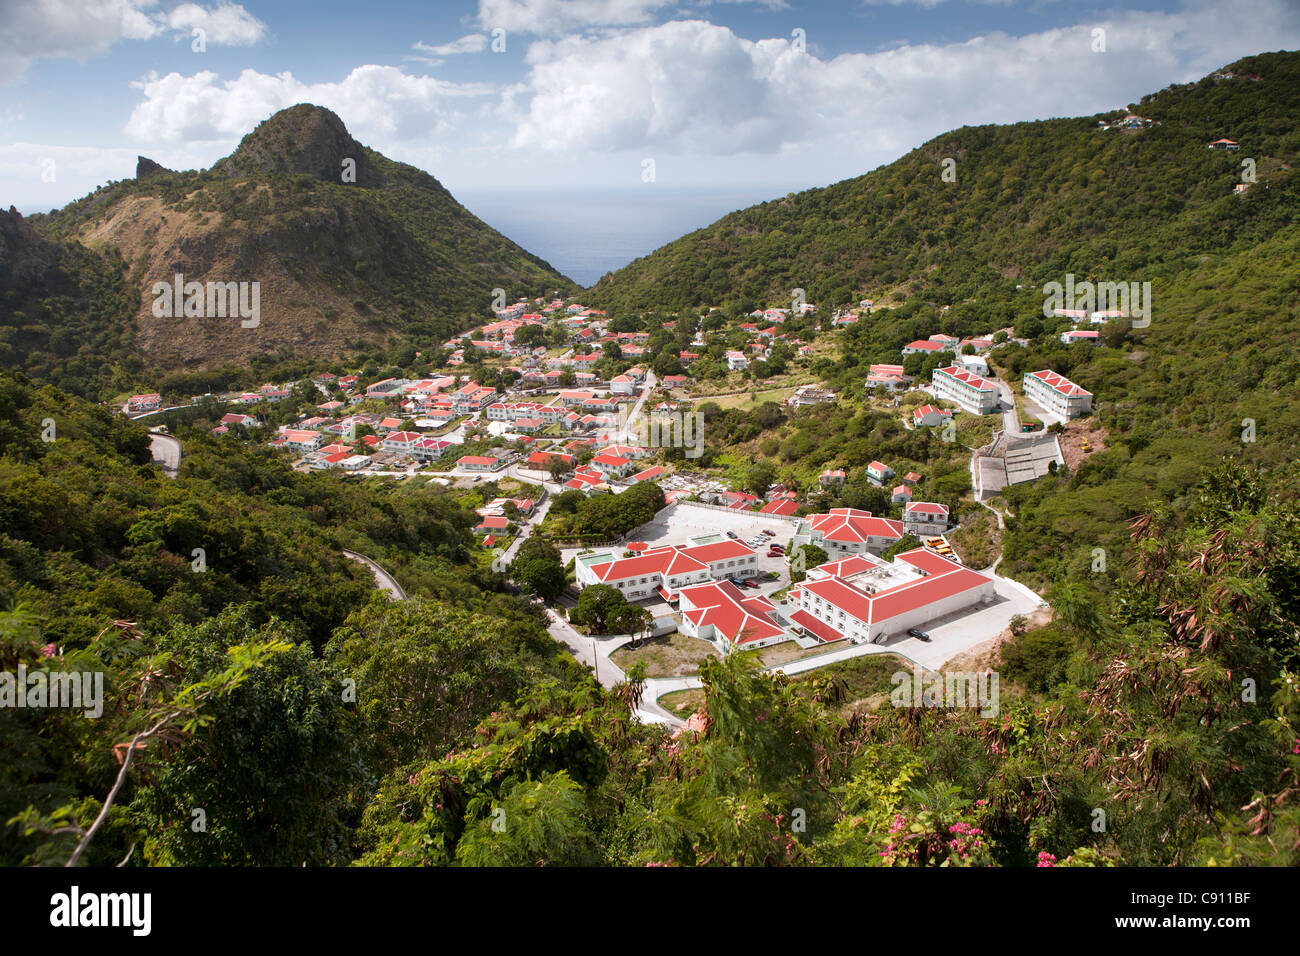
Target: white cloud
<point x="695" y="87"/>
<point x="226" y="25"/>
<point x="375" y="102"/>
<point x="556" y="17"/>
<point x="472" y="43"/>
<point x="32" y="29"/>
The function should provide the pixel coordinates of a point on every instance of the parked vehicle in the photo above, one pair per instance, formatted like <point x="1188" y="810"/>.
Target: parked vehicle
<point x="733" y="536"/>
<point x="769" y="532"/>
<point x="919" y="634"/>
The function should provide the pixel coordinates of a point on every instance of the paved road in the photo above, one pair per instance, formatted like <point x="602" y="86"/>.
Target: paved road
<point x="166" y="452"/>
<point x="382" y="578"/>
<point x="625" y="433"/>
<point x="1010" y="423"/>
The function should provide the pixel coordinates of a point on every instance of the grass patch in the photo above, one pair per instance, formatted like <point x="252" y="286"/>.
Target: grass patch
<point x="788" y="651"/>
<point x="978" y="540"/>
<point x="672" y="655"/>
<point x="866" y="680"/>
<point x="682" y="703"/>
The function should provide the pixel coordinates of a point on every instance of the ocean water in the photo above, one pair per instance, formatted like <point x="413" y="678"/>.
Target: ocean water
<point x="586" y="234"/>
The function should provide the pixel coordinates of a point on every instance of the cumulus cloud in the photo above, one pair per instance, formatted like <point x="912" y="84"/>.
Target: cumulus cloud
<point x="693" y="86"/>
<point x="373" y="101"/>
<point x="31" y="29"/>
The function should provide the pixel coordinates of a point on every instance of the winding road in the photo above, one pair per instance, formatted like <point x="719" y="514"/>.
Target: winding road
<point x="385" y="580"/>
<point x="166" y="451"/>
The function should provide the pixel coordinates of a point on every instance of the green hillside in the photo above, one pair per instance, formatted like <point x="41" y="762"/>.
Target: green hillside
<point x="1031" y="202"/>
<point x="350" y="249"/>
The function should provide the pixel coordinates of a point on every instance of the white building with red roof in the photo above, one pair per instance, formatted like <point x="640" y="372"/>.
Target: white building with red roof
<point x="476" y="463"/>
<point x="842" y="531"/>
<point x="143" y="403"/>
<point x="729" y="618"/>
<point x="400" y="441"/>
<point x="612" y="466"/>
<point x="925" y="518"/>
<point x="1080" y="335"/>
<point x="878" y="473"/>
<point x="887" y="376"/>
<point x="865" y="599"/>
<point x="832" y="477"/>
<point x="664" y="571"/>
<point x="928" y="416"/>
<point x="970" y="391"/>
<point x="925" y="347"/>
<point x="1056" y="393"/>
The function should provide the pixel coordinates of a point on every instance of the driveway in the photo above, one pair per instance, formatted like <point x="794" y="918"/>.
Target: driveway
<point x="166" y="452"/>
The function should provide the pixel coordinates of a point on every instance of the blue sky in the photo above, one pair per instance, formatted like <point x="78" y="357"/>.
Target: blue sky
<point x="761" y="95"/>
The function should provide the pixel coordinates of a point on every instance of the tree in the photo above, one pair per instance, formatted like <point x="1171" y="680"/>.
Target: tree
<point x="556" y="467"/>
<point x="804" y="557"/>
<point x="759" y="476"/>
<point x="631" y="620"/>
<point x="597" y="604"/>
<point x="906" y="543"/>
<point x="538" y="568"/>
<point x="530" y="335"/>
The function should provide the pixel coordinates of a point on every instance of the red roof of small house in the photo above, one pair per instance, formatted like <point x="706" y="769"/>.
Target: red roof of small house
<point x="782" y="506"/>
<point x="489" y="540"/>
<point x="475" y="460"/>
<point x="612" y="460"/>
<point x="738" y="617"/>
<point x="853" y="525"/>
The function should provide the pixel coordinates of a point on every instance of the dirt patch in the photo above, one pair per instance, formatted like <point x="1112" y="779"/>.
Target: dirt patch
<point x="1071" y="441"/>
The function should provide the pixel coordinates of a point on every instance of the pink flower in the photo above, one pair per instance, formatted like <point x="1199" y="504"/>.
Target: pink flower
<point x="1046" y="859"/>
<point x="49" y="650"/>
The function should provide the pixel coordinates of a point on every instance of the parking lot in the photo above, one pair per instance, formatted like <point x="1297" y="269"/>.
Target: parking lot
<point x="685" y="520"/>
